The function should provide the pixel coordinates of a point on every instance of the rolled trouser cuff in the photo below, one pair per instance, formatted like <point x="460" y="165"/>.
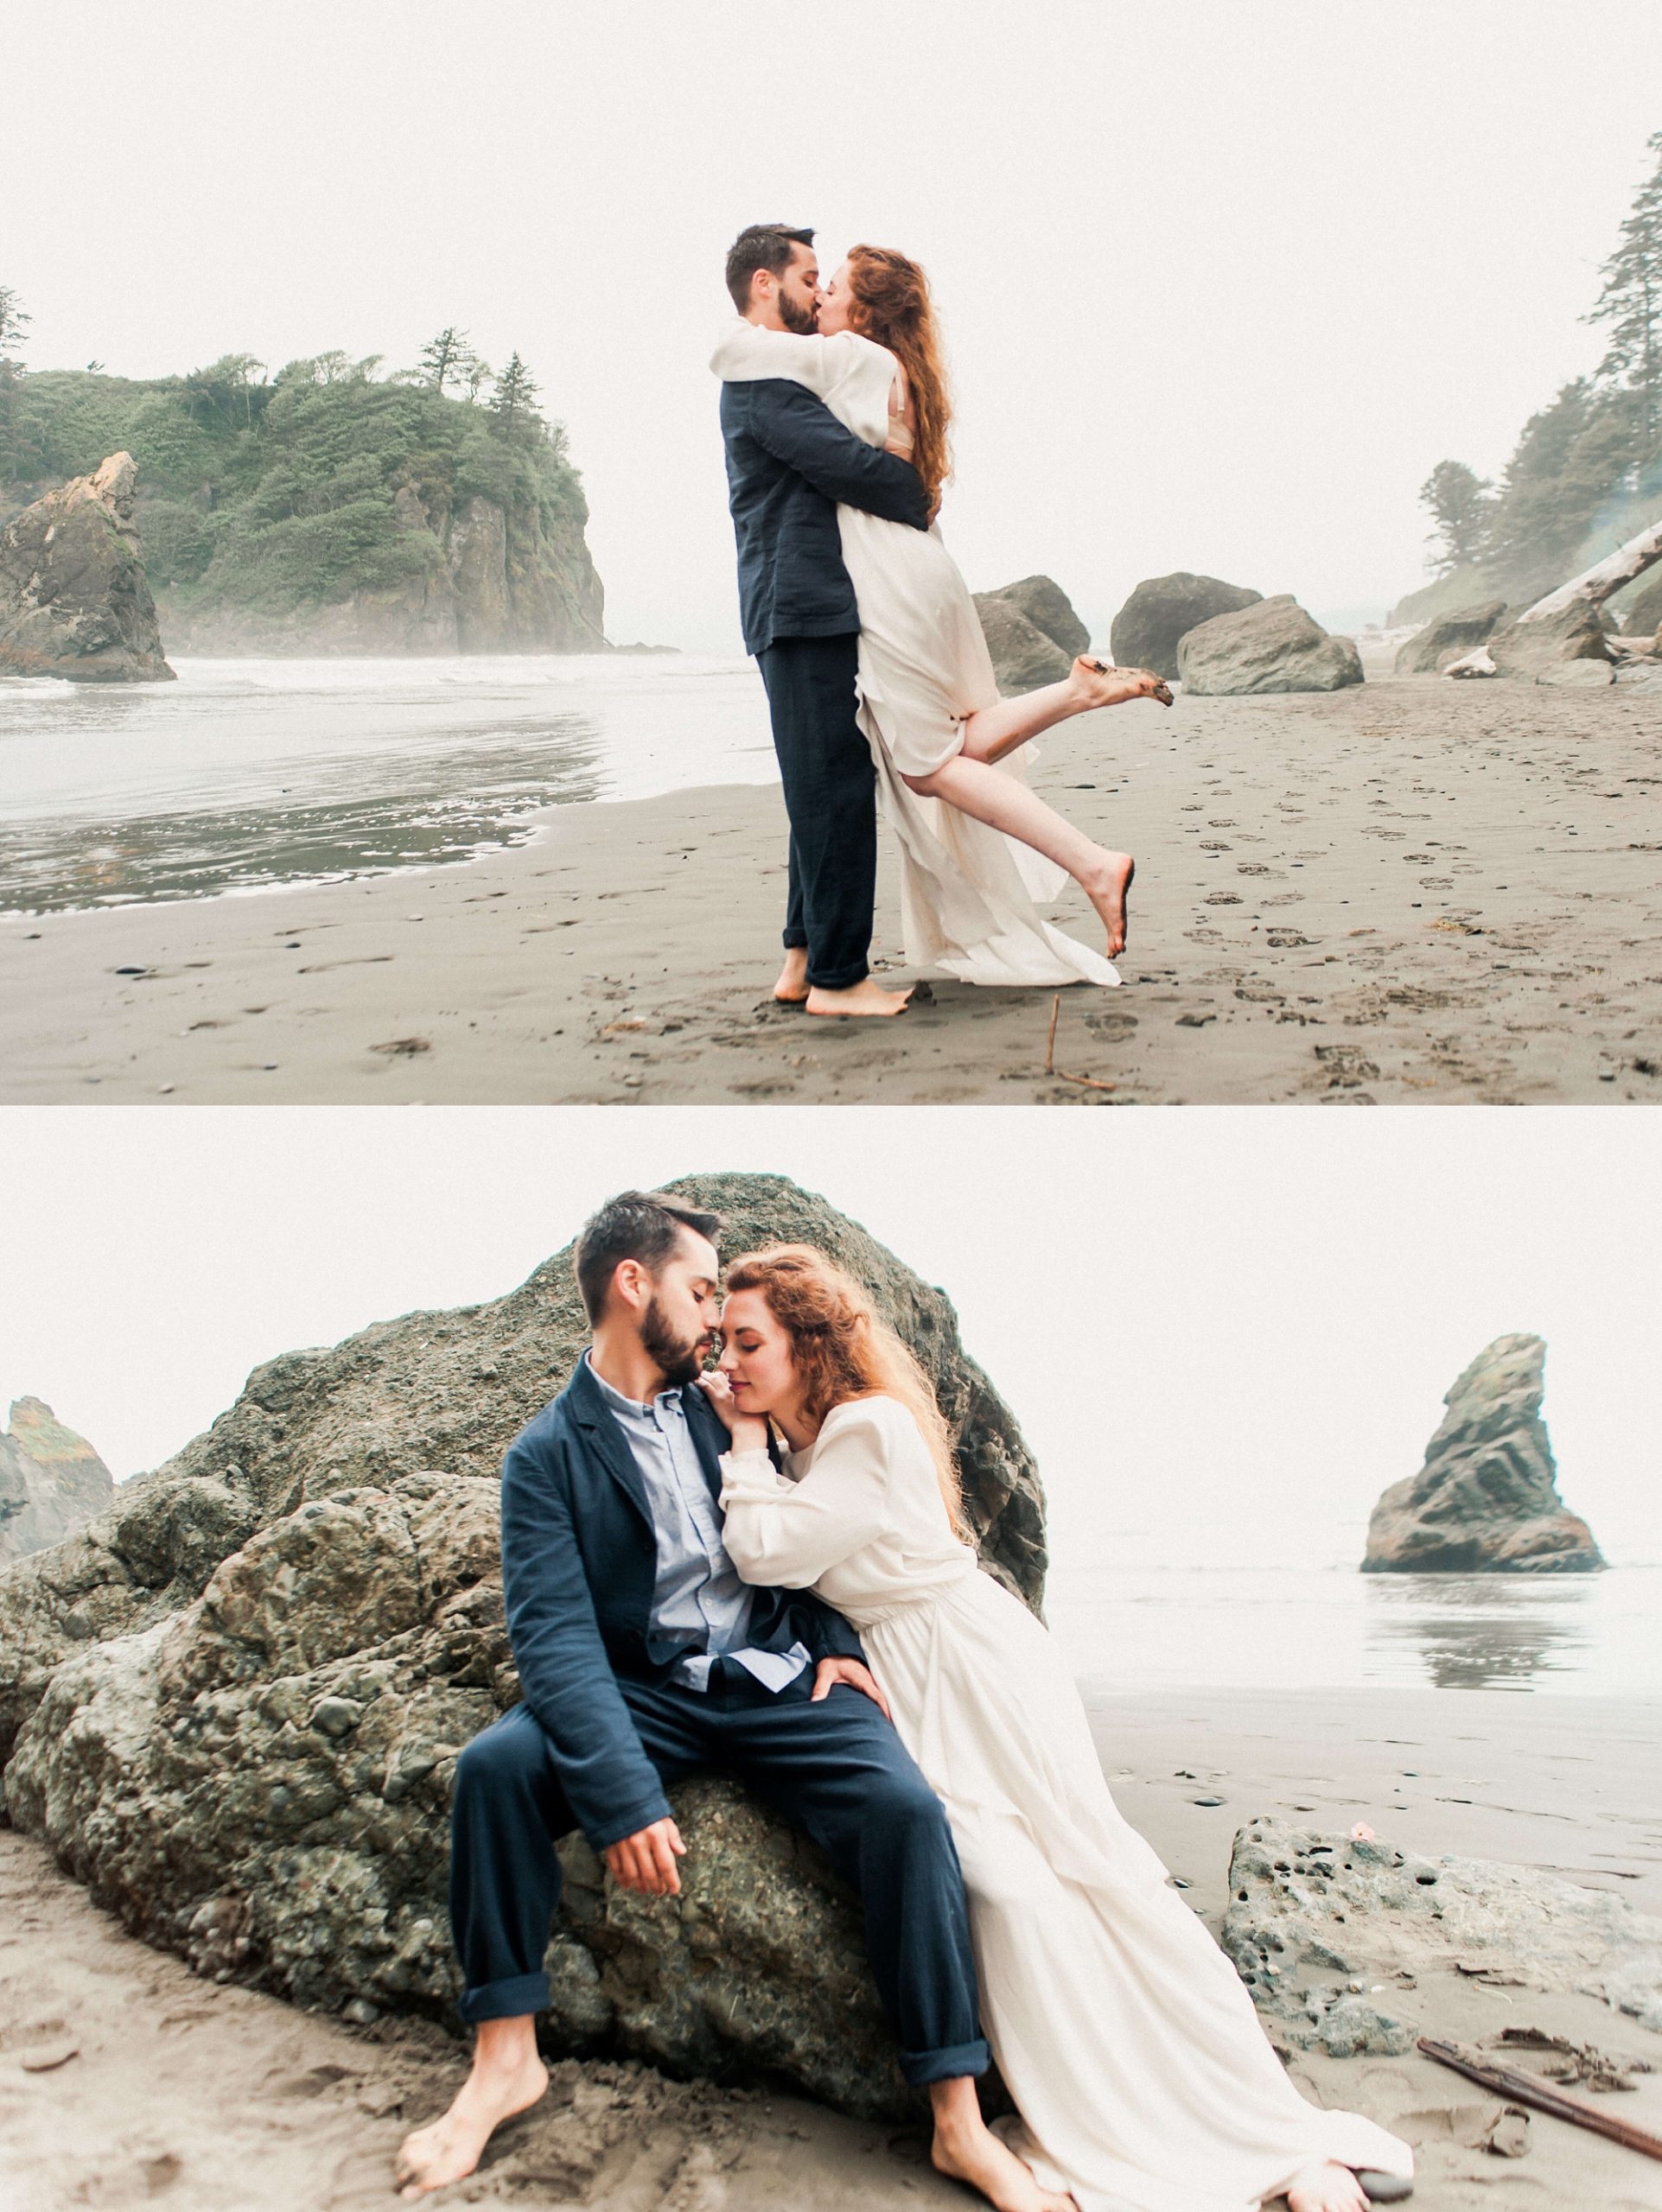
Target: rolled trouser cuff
<point x="922" y="2067"/>
<point x="510" y="1999"/>
<point x="840" y="978"/>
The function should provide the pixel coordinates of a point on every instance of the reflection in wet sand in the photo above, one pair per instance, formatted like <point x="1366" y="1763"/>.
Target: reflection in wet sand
<point x="448" y="800"/>
<point x="1481" y="1631"/>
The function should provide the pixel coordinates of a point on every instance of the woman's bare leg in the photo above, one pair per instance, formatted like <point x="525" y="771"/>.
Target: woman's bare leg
<point x="967" y="2148"/>
<point x="993" y="732"/>
<point x="974" y="788"/>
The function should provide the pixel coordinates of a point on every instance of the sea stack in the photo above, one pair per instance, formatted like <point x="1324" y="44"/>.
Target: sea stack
<point x="1487" y="1500"/>
<point x="74" y="602"/>
<point x="51" y="1480"/>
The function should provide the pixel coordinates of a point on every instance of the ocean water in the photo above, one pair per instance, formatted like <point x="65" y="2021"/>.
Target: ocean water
<point x="1142" y="1627"/>
<point x="247" y="775"/>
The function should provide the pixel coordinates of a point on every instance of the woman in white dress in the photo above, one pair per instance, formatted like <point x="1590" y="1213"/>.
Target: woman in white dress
<point x="978" y="848"/>
<point x="1141" y="2076"/>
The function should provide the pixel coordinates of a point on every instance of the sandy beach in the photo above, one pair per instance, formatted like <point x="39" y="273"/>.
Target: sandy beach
<point x="1412" y="892"/>
<point x="213" y="2098"/>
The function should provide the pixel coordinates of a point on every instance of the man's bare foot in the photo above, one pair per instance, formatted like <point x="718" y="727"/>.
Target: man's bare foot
<point x="968" y="2151"/>
<point x="865" y="997"/>
<point x="1108" y="889"/>
<point x="1099" y="685"/>
<point x="1327" y="2188"/>
<point x="451" y="2149"/>
<point x="792" y="988"/>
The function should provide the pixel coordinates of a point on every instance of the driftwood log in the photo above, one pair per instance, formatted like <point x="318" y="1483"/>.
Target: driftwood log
<point x="1546" y="2096"/>
<point x="1593" y="585"/>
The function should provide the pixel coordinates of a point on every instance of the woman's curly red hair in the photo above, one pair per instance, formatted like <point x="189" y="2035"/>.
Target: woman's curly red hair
<point x="889" y="301"/>
<point x="842" y="1348"/>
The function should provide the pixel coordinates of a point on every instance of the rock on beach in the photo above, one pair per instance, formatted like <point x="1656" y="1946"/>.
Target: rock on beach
<point x="51" y="1480"/>
<point x="1033" y="633"/>
<point x="232" y="1703"/>
<point x="1430" y="651"/>
<point x="74" y="600"/>
<point x="1162" y="610"/>
<point x="1487" y="1498"/>
<point x="1271" y="646"/>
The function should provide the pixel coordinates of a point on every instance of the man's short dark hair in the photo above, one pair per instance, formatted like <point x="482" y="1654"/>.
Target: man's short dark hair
<point x="764" y="245"/>
<point x="642" y="1225"/>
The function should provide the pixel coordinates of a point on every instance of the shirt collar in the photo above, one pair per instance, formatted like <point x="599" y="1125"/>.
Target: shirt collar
<point x="616" y="1399"/>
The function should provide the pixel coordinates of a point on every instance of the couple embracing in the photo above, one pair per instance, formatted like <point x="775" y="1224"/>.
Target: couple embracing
<point x="835" y="416"/>
<point x="767" y="1568"/>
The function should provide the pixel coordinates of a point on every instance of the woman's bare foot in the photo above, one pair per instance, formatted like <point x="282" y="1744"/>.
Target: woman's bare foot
<point x="1327" y="2188"/>
<point x="973" y="2153"/>
<point x="792" y="988"/>
<point x="506" y="2078"/>
<point x="1108" y="888"/>
<point x="865" y="997"/>
<point x="1099" y="685"/>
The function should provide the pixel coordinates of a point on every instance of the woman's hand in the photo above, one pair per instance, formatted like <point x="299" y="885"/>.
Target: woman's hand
<point x="747" y="1431"/>
<point x="830" y="1672"/>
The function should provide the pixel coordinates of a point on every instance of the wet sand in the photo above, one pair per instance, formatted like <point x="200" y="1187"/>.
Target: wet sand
<point x="217" y="2099"/>
<point x="1415" y="891"/>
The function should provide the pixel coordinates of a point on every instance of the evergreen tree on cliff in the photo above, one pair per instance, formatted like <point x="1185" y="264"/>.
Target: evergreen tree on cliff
<point x="13" y="323"/>
<point x="513" y="405"/>
<point x="448" y="358"/>
<point x="1630" y="303"/>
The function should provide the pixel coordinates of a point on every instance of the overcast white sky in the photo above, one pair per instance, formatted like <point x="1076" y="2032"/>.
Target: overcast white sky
<point x="1222" y="279"/>
<point x="1219" y="1327"/>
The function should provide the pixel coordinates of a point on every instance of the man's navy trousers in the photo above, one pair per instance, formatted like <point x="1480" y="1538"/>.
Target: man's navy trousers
<point x="836" y="1770"/>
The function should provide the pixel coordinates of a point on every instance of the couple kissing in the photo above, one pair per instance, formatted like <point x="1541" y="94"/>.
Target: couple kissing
<point x="767" y="1568"/>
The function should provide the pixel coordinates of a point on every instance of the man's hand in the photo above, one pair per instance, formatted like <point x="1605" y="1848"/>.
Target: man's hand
<point x="858" y="1678"/>
<point x="646" y="1861"/>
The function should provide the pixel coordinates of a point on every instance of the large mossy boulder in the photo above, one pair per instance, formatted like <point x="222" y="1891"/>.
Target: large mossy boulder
<point x="74" y="597"/>
<point x="232" y="1703"/>
<point x="1162" y="610"/>
<point x="1486" y="1499"/>
<point x="1429" y="652"/>
<point x="1032" y="634"/>
<point x="1272" y="647"/>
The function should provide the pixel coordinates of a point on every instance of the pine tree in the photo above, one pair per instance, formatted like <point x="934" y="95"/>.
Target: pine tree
<point x="1460" y="505"/>
<point x="513" y="406"/>
<point x="1630" y="303"/>
<point x="13" y="323"/>
<point x="448" y="359"/>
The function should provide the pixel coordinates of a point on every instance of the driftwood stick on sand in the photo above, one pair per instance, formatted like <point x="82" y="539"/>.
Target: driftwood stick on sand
<point x="1530" y="2089"/>
<point x="1061" y="1075"/>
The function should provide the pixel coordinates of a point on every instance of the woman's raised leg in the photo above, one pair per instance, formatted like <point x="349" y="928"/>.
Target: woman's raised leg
<point x="1003" y="802"/>
<point x="993" y="732"/>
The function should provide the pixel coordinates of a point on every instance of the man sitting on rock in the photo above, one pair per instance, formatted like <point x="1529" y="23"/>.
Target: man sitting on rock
<point x="641" y="1656"/>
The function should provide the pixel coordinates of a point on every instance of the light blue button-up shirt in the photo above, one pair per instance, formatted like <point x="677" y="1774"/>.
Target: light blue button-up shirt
<point x="698" y="1598"/>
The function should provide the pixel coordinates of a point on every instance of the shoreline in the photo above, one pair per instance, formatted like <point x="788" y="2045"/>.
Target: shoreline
<point x="225" y="2099"/>
<point x="1412" y="893"/>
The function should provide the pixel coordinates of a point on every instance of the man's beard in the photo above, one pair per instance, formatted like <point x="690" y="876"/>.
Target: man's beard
<point x="677" y="1357"/>
<point x="804" y="320"/>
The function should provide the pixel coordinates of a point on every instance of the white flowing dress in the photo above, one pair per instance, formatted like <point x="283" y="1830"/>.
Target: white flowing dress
<point x="1142" y="2078"/>
<point x="969" y="894"/>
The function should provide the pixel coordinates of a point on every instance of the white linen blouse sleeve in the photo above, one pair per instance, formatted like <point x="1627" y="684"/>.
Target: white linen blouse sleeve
<point x="789" y="1534"/>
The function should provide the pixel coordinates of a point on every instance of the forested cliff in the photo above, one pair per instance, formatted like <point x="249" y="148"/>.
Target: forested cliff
<point x="328" y="509"/>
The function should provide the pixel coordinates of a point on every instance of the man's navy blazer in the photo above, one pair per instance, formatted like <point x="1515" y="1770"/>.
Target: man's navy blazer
<point x="790" y="463"/>
<point x="579" y="1558"/>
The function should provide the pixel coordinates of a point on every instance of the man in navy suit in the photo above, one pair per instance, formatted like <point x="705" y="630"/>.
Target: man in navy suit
<point x="790" y="463"/>
<point x="641" y="1656"/>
